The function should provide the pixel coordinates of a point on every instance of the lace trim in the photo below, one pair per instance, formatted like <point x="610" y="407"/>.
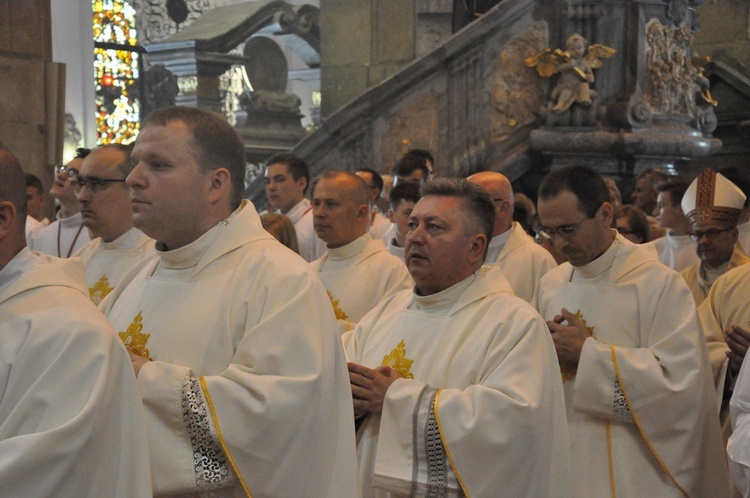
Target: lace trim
<point x="437" y="474"/>
<point x="620" y="408"/>
<point x="209" y="462"/>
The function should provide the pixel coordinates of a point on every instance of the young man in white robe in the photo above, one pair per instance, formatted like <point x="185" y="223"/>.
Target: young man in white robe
<point x="287" y="178"/>
<point x="455" y="380"/>
<point x="631" y="354"/>
<point x="247" y="393"/>
<point x="66" y="235"/>
<point x="105" y="206"/>
<point x="71" y="420"/>
<point x="35" y="202"/>
<point x="676" y="249"/>
<point x="521" y="259"/>
<point x="713" y="204"/>
<point x="379" y="224"/>
<point x="356" y="270"/>
<point x="403" y="197"/>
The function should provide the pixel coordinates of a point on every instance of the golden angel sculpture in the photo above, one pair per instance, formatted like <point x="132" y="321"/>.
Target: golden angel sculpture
<point x="575" y="65"/>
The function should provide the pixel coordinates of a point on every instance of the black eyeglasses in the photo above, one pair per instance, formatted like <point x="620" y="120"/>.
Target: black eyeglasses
<point x="93" y="184"/>
<point x="710" y="234"/>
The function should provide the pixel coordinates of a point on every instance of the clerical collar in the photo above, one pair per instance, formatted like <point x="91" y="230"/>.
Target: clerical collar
<point x="600" y="264"/>
<point x="124" y="241"/>
<point x="189" y="255"/>
<point x="23" y="262"/>
<point x="498" y="241"/>
<point x="349" y="250"/>
<point x="444" y="298"/>
<point x="73" y="221"/>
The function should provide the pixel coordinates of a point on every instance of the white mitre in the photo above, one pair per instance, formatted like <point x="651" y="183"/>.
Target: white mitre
<point x="712" y="197"/>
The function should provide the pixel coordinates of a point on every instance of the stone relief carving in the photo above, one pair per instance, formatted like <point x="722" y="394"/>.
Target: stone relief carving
<point x="160" y="89"/>
<point x="672" y="79"/>
<point x="516" y="91"/>
<point x="159" y="19"/>
<point x="415" y="127"/>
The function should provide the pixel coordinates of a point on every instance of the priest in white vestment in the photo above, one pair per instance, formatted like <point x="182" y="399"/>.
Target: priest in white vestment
<point x="713" y="205"/>
<point x="521" y="259"/>
<point x="232" y="337"/>
<point x="287" y="178"/>
<point x="402" y="199"/>
<point x="71" y="420"/>
<point x="356" y="270"/>
<point x="66" y="235"/>
<point x="641" y="409"/>
<point x="456" y="380"/>
<point x="105" y="207"/>
<point x="676" y="249"/>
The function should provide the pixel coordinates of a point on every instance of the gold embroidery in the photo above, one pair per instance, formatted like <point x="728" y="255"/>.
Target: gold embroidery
<point x="134" y="339"/>
<point x="570" y="372"/>
<point x="398" y="361"/>
<point x="100" y="290"/>
<point x="340" y="315"/>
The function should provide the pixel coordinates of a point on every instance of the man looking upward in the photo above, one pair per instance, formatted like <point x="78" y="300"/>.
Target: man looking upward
<point x="240" y="331"/>
<point x="66" y="235"/>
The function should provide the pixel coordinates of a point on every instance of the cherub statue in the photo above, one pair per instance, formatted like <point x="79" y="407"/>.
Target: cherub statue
<point x="575" y="66"/>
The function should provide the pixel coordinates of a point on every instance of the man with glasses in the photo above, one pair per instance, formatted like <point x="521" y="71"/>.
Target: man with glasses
<point x="632" y="358"/>
<point x="66" y="235"/>
<point x="713" y="205"/>
<point x="105" y="206"/>
<point x="522" y="261"/>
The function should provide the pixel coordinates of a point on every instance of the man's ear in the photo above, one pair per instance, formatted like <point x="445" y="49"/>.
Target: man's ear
<point x="221" y="184"/>
<point x="478" y="245"/>
<point x="8" y="215"/>
<point x="391" y="215"/>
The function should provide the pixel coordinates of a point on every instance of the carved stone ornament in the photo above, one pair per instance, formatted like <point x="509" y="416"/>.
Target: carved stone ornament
<point x="516" y="91"/>
<point x="671" y="80"/>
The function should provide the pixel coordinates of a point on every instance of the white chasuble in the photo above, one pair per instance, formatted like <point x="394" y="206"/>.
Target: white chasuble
<point x="106" y="263"/>
<point x="71" y="419"/>
<point x="357" y="276"/>
<point x="641" y="413"/>
<point x="248" y="390"/>
<point x="480" y="411"/>
<point x="676" y="251"/>
<point x="523" y="262"/>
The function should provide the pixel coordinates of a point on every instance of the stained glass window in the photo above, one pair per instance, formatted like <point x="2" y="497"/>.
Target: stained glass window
<point x="116" y="71"/>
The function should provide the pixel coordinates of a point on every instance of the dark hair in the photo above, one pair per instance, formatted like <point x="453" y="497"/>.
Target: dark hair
<point x="423" y="153"/>
<point x="410" y="163"/>
<point x="477" y="204"/>
<point x="586" y="184"/>
<point x="296" y="166"/>
<point x="636" y="219"/>
<point x="403" y="192"/>
<point x="215" y="142"/>
<point x="34" y="182"/>
<point x="13" y="185"/>
<point x="82" y="152"/>
<point x="377" y="180"/>
<point x="675" y="187"/>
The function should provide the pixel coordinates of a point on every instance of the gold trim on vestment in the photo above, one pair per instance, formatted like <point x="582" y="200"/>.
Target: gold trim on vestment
<point x="640" y="427"/>
<point x="398" y="361"/>
<point x="221" y="438"/>
<point x="445" y="445"/>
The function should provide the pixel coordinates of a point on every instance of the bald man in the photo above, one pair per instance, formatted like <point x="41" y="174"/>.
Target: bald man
<point x="522" y="260"/>
<point x="356" y="270"/>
